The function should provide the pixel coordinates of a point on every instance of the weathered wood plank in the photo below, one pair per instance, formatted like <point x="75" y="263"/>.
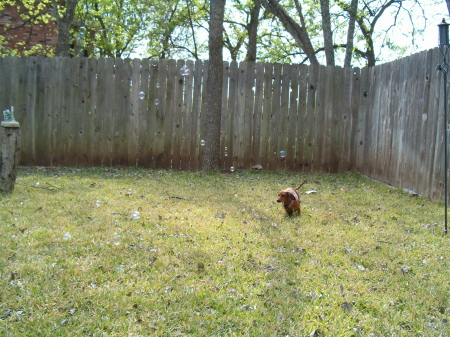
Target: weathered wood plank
<point x="159" y="126"/>
<point x="186" y="117"/>
<point x="282" y="141"/>
<point x="133" y="132"/>
<point x="320" y="137"/>
<point x="293" y="121"/>
<point x="302" y="127"/>
<point x="258" y="114"/>
<point x="249" y="102"/>
<point x="266" y="116"/>
<point x="225" y="141"/>
<point x="274" y="117"/>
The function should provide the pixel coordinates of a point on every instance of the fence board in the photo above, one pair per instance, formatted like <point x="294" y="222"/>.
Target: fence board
<point x="258" y="114"/>
<point x="266" y="116"/>
<point x="43" y="124"/>
<point x="282" y="134"/>
<point x="275" y="117"/>
<point x="292" y="119"/>
<point x="300" y="158"/>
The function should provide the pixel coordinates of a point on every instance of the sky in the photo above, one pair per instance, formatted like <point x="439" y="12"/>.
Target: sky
<point x="434" y="14"/>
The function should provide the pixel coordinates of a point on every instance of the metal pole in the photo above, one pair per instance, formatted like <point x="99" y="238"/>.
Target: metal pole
<point x="445" y="149"/>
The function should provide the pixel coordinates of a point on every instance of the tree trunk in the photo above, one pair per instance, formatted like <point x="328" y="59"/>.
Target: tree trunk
<point x="9" y="156"/>
<point x="211" y="161"/>
<point x="253" y="32"/>
<point x="299" y="33"/>
<point x="350" y="34"/>
<point x="327" y="32"/>
<point x="64" y="26"/>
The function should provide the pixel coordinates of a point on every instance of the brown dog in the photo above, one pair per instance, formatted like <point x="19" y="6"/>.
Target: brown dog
<point x="290" y="200"/>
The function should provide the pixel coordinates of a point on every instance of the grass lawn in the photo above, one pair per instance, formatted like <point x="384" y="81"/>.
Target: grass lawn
<point x="130" y="252"/>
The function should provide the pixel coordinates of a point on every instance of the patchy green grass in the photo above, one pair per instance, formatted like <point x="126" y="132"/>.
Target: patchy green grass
<point x="215" y="255"/>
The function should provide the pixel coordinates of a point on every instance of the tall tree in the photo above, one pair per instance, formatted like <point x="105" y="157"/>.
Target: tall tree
<point x="64" y="17"/>
<point x="327" y="31"/>
<point x="252" y="29"/>
<point x="297" y="31"/>
<point x="350" y="34"/>
<point x="214" y="87"/>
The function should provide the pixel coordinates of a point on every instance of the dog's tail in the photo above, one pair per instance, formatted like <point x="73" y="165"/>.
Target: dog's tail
<point x="303" y="183"/>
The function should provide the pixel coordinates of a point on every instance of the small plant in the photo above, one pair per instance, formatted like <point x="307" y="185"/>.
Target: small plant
<point x="133" y="252"/>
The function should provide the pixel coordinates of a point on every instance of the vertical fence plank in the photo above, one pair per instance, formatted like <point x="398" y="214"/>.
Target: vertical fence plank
<point x="158" y="127"/>
<point x="282" y="115"/>
<point x="247" y="117"/>
<point x="155" y="113"/>
<point x="199" y="78"/>
<point x="426" y="137"/>
<point x="133" y="133"/>
<point x="293" y="122"/>
<point x="320" y="135"/>
<point x="360" y="97"/>
<point x="186" y="118"/>
<point x="232" y="113"/>
<point x="266" y="116"/>
<point x="336" y="118"/>
<point x="224" y="120"/>
<point x="275" y="117"/>
<point x="41" y="122"/>
<point x="100" y="128"/>
<point x="55" y="109"/>
<point x="83" y="113"/>
<point x="310" y="118"/>
<point x="143" y="152"/>
<point x="91" y="130"/>
<point x="346" y="120"/>
<point x="258" y="114"/>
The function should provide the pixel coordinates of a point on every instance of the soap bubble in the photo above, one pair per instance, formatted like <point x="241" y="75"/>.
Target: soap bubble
<point x="202" y="142"/>
<point x="232" y="169"/>
<point x="141" y="95"/>
<point x="184" y="71"/>
<point x="156" y="101"/>
<point x="158" y="85"/>
<point x="283" y="154"/>
<point x="98" y="203"/>
<point x="136" y="215"/>
<point x="67" y="236"/>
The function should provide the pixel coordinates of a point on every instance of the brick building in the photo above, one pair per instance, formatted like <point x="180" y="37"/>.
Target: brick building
<point x="30" y="37"/>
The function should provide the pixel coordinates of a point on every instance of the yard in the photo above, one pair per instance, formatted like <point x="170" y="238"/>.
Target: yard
<point x="131" y="252"/>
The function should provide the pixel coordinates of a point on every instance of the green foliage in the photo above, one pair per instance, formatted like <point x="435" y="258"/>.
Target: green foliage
<point x="34" y="13"/>
<point x="215" y="255"/>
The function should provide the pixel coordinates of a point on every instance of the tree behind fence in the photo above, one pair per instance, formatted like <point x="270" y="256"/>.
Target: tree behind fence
<point x="383" y="122"/>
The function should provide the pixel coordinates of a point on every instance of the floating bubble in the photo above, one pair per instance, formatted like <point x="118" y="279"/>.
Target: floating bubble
<point x="136" y="215"/>
<point x="98" y="203"/>
<point x="232" y="169"/>
<point x="184" y="71"/>
<point x="141" y="95"/>
<point x="202" y="142"/>
<point x="283" y="154"/>
<point x="67" y="236"/>
<point x="156" y="101"/>
<point x="158" y="85"/>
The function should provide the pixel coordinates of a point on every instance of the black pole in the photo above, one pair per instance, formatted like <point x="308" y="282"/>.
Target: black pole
<point x="445" y="148"/>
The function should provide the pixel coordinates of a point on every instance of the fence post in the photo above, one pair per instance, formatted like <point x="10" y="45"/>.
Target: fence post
<point x="9" y="151"/>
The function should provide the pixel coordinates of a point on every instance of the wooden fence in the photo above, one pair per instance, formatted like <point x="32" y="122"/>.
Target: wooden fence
<point x="384" y="122"/>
